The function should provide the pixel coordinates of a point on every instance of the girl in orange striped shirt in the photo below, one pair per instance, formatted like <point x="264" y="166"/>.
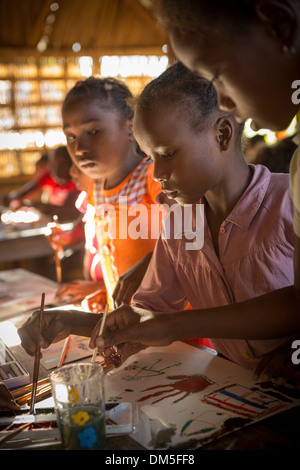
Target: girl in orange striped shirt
<point x="97" y="123"/>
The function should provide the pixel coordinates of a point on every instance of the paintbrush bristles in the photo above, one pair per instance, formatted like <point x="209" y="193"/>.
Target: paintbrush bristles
<point x="100" y="331"/>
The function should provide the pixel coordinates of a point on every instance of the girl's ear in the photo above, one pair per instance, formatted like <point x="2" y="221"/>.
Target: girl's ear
<point x="281" y="20"/>
<point x="224" y="133"/>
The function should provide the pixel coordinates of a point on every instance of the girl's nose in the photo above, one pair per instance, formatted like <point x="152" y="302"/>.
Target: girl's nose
<point x="82" y="146"/>
<point x="159" y="173"/>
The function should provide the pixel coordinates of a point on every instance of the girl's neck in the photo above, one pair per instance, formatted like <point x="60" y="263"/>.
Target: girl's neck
<point x="220" y="201"/>
<point x="121" y="172"/>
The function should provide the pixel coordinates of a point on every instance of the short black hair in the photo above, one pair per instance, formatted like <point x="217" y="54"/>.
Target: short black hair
<point x="200" y="18"/>
<point x="112" y="92"/>
<point x="197" y="17"/>
<point x="177" y="85"/>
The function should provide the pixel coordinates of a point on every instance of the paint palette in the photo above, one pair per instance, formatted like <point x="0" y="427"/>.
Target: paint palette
<point x="12" y="373"/>
<point x="78" y="349"/>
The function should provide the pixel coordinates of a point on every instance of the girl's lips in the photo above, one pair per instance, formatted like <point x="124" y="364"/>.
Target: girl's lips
<point x="170" y="194"/>
<point x="87" y="164"/>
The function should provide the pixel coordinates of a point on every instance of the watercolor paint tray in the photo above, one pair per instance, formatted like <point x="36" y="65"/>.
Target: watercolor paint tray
<point x="43" y="430"/>
<point x="12" y="373"/>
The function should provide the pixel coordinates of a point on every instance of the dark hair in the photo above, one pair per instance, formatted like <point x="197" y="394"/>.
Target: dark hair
<point x="197" y="17"/>
<point x="112" y="92"/>
<point x="178" y="85"/>
<point x="200" y="18"/>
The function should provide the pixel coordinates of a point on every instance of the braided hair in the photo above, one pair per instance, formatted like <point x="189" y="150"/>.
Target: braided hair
<point x="177" y="85"/>
<point x="111" y="92"/>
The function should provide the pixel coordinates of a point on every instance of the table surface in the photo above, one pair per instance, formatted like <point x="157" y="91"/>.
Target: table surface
<point x="281" y="431"/>
<point x="27" y="242"/>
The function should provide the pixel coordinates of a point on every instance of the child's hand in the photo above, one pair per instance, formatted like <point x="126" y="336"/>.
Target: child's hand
<point x="57" y="325"/>
<point x="95" y="302"/>
<point x="277" y="365"/>
<point x="58" y="238"/>
<point x="124" y="325"/>
<point x="116" y="320"/>
<point x="129" y="282"/>
<point x="76" y="291"/>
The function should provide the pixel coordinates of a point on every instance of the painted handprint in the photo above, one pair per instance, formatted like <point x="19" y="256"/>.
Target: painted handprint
<point x="185" y="384"/>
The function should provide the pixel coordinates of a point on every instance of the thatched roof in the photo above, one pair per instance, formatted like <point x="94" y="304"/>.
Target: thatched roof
<point x="100" y="26"/>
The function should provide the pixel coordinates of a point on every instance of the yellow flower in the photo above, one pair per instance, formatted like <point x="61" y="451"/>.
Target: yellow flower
<point x="81" y="417"/>
<point x="73" y="395"/>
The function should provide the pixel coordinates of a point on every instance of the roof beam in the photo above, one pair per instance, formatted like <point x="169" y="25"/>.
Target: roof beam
<point x="37" y="29"/>
<point x="11" y="53"/>
<point x="145" y="16"/>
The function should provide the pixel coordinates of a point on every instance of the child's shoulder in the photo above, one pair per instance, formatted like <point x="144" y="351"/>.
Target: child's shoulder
<point x="279" y="184"/>
<point x="278" y="199"/>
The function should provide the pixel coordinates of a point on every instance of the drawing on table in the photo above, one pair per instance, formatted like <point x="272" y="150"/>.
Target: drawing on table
<point x="184" y="384"/>
<point x="207" y="421"/>
<point x="212" y="424"/>
<point x="187" y="397"/>
<point x="243" y="401"/>
<point x="146" y="371"/>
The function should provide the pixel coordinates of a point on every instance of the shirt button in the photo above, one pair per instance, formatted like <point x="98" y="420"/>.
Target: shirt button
<point x="222" y="230"/>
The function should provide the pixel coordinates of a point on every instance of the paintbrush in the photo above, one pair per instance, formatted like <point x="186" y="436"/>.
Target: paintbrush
<point x="58" y="267"/>
<point x="51" y="226"/>
<point x="41" y="392"/>
<point x="26" y="388"/>
<point x="100" y="331"/>
<point x="57" y="258"/>
<point x="36" y="367"/>
<point x="64" y="351"/>
<point x="11" y="434"/>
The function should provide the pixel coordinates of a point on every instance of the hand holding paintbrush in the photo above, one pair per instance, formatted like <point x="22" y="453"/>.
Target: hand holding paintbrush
<point x="100" y="331"/>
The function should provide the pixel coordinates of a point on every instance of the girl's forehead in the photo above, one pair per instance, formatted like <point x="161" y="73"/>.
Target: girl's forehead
<point x="83" y="111"/>
<point x="84" y="103"/>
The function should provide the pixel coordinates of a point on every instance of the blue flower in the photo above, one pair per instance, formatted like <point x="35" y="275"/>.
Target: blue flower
<point x="88" y="437"/>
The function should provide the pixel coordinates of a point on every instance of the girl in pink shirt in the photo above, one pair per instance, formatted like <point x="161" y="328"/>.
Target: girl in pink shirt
<point x="246" y="247"/>
<point x="247" y="224"/>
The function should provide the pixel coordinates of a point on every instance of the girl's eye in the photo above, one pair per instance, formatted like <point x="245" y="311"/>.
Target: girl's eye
<point x="168" y="155"/>
<point x="70" y="138"/>
<point x="94" y="131"/>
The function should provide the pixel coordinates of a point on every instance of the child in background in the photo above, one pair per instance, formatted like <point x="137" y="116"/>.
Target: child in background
<point x="248" y="225"/>
<point x="58" y="191"/>
<point x="194" y="146"/>
<point x="97" y="124"/>
<point x="76" y="291"/>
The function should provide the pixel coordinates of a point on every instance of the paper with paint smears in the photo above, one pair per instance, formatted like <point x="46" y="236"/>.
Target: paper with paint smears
<point x="188" y="397"/>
